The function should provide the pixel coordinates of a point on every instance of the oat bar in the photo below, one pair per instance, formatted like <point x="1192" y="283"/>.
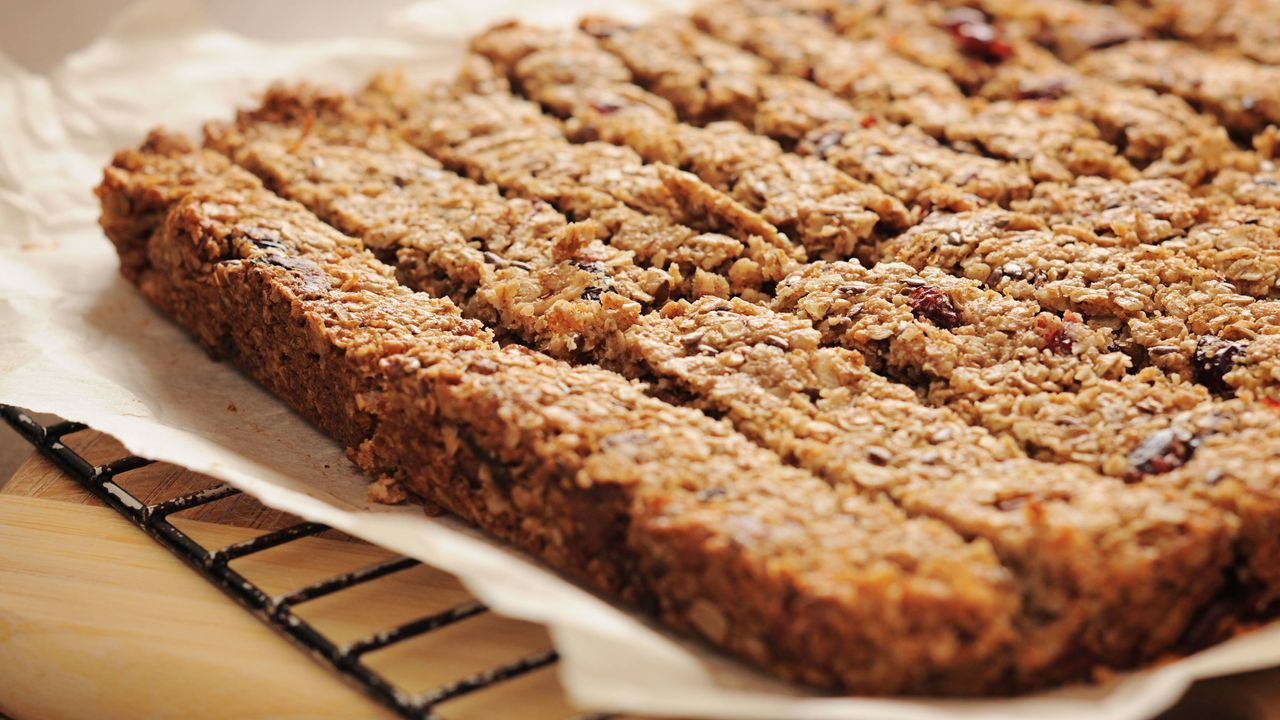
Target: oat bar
<point x="1167" y="304"/>
<point x="1240" y="27"/>
<point x="1070" y="28"/>
<point x="905" y="162"/>
<point x="821" y="408"/>
<point x="911" y="165"/>
<point x="828" y="212"/>
<point x="1242" y="94"/>
<point x="504" y="140"/>
<point x="658" y="504"/>
<point x="867" y="73"/>
<point x="1055" y="144"/>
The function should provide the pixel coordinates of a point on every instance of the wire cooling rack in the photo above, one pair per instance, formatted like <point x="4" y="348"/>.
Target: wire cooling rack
<point x="277" y="610"/>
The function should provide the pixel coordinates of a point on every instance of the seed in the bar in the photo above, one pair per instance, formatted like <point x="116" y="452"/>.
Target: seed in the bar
<point x="1165" y="450"/>
<point x="827" y="140"/>
<point x="711" y="493"/>
<point x="1012" y="269"/>
<point x="1215" y="476"/>
<point x="483" y="367"/>
<point x="502" y="262"/>
<point x="693" y="339"/>
<point x="941" y="436"/>
<point x="879" y="455"/>
<point x="976" y="36"/>
<point x="1112" y="36"/>
<point x="1012" y="503"/>
<point x="954" y="238"/>
<point x="932" y="304"/>
<point x="605" y="108"/>
<point x="602" y="27"/>
<point x="1213" y="359"/>
<point x="264" y="238"/>
<point x="777" y="341"/>
<point x="662" y="294"/>
<point x="1050" y="88"/>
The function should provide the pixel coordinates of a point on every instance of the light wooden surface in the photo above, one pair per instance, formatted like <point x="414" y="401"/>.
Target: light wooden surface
<point x="97" y="620"/>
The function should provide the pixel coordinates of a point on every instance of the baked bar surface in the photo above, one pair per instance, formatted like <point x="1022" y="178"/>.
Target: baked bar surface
<point x="917" y="348"/>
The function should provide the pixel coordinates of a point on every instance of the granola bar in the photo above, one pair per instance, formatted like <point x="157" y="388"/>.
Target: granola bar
<point x="823" y="209"/>
<point x="822" y="409"/>
<point x="1241" y="93"/>
<point x="1000" y="59"/>
<point x="658" y="504"/>
<point x="1070" y="28"/>
<point x="904" y="162"/>
<point x="1240" y="27"/>
<point x="504" y="140"/>
<point x="512" y="262"/>
<point x="1168" y="305"/>
<point x="1054" y="143"/>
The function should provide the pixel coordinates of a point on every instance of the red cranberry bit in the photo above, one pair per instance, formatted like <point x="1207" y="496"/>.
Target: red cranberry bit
<point x="1271" y="402"/>
<point x="1215" y="358"/>
<point x="868" y="121"/>
<point x="932" y="304"/>
<point x="1163" y="451"/>
<point x="976" y="36"/>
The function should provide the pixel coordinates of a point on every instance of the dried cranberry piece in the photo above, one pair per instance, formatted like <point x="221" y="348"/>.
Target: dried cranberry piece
<point x="1059" y="341"/>
<point x="1271" y="402"/>
<point x="1215" y="358"/>
<point x="1163" y="451"/>
<point x="975" y="35"/>
<point x="932" y="304"/>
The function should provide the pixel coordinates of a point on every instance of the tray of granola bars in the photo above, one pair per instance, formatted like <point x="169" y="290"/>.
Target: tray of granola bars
<point x="924" y="349"/>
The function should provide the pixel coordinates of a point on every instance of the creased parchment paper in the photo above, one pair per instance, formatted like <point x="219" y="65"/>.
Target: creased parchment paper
<point x="77" y="341"/>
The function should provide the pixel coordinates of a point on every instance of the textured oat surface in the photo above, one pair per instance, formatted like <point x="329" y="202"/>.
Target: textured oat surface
<point x="897" y="347"/>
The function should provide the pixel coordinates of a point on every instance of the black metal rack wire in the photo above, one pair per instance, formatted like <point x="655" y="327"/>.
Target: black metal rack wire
<point x="275" y="610"/>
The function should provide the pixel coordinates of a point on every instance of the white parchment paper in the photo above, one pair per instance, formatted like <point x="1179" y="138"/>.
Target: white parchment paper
<point x="77" y="341"/>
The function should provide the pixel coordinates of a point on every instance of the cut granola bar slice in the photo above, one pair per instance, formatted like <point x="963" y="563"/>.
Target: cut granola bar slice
<point x="828" y="212"/>
<point x="1056" y="145"/>
<point x="1166" y="303"/>
<point x="447" y="235"/>
<point x="1242" y="27"/>
<point x="1242" y="94"/>
<point x="638" y="206"/>
<point x="905" y="162"/>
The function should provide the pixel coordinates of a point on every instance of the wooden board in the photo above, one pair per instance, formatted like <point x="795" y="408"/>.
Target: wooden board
<point x="97" y="620"/>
